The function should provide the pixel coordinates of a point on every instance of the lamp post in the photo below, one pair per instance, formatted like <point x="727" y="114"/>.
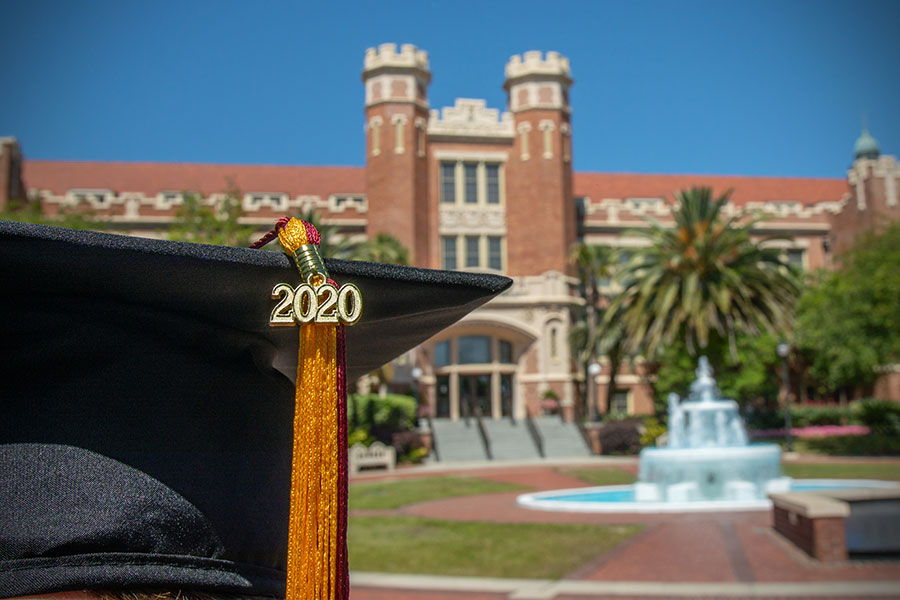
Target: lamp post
<point x="593" y="370"/>
<point x="416" y="374"/>
<point x="783" y="349"/>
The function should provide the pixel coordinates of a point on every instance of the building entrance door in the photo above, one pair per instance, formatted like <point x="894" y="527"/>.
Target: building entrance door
<point x="475" y="391"/>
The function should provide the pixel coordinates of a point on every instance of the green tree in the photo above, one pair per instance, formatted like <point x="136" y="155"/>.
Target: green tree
<point x="214" y="221"/>
<point x="847" y="321"/>
<point x="704" y="277"/>
<point x="591" y="335"/>
<point x="31" y="211"/>
<point x="752" y="378"/>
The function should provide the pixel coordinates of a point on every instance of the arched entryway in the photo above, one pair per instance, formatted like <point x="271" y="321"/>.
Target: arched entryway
<point x="475" y="371"/>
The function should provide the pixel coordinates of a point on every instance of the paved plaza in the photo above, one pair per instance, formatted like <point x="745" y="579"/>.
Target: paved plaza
<point x="697" y="555"/>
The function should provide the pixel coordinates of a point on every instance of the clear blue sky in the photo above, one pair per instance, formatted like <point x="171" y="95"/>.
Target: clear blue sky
<point x="758" y="88"/>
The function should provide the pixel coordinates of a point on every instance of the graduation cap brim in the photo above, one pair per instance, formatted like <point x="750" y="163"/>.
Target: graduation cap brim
<point x="145" y="423"/>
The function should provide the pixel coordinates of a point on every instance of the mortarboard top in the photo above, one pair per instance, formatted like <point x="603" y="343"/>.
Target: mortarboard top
<point x="146" y="404"/>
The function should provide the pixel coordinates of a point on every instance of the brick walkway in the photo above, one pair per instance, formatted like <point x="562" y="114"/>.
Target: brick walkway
<point x="698" y="555"/>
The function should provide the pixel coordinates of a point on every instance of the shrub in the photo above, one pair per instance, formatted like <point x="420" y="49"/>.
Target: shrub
<point x="620" y="437"/>
<point x="881" y="416"/>
<point x="874" y="444"/>
<point x="409" y="446"/>
<point x="811" y="415"/>
<point x="379" y="418"/>
<point x="652" y="430"/>
<point x="807" y="415"/>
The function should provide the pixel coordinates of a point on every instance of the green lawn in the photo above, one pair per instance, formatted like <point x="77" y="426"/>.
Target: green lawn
<point x="429" y="546"/>
<point x="600" y="475"/>
<point x="394" y="494"/>
<point x="842" y="470"/>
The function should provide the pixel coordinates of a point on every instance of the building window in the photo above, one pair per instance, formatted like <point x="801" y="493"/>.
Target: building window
<point x="477" y="252"/>
<point x="449" y="252"/>
<point x="443" y="397"/>
<point x="448" y="182"/>
<point x="470" y="172"/>
<point x="506" y="354"/>
<point x="473" y="256"/>
<point x="795" y="258"/>
<point x="619" y="403"/>
<point x="442" y="354"/>
<point x="492" y="175"/>
<point x="476" y="182"/>
<point x="495" y="252"/>
<point x="474" y="349"/>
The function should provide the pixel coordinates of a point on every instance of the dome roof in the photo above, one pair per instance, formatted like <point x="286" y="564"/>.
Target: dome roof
<point x="866" y="146"/>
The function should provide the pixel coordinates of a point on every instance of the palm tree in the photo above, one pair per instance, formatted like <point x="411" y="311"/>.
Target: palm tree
<point x="384" y="248"/>
<point x="704" y="275"/>
<point x="589" y="337"/>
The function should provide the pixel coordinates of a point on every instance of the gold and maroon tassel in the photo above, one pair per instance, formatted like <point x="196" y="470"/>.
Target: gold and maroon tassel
<point x="317" y="538"/>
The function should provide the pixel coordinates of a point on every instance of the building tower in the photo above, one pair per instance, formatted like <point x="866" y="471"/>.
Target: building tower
<point x="396" y="86"/>
<point x="874" y="179"/>
<point x="540" y="208"/>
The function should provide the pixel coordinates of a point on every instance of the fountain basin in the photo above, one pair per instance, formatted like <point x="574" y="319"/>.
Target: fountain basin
<point x="621" y="498"/>
<point x="714" y="473"/>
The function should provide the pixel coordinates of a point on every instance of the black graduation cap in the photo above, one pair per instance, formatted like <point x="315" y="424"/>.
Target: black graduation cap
<point x="146" y="404"/>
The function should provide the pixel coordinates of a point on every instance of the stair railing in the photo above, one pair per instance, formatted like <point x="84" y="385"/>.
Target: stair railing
<point x="434" y="444"/>
<point x="535" y="434"/>
<point x="482" y="432"/>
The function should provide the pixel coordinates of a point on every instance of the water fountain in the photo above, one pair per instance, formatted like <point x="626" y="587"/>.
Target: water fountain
<point x="707" y="457"/>
<point x="707" y="465"/>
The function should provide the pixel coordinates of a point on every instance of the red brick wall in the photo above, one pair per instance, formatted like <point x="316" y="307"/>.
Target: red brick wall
<point x="397" y="184"/>
<point x="821" y="538"/>
<point x="887" y="387"/>
<point x="851" y="222"/>
<point x="540" y="211"/>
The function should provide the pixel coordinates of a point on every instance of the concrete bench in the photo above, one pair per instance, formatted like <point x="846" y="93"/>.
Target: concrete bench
<point x="376" y="455"/>
<point x="828" y="525"/>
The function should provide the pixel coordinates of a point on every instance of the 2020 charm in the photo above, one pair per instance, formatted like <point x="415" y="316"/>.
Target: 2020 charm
<point x="307" y="303"/>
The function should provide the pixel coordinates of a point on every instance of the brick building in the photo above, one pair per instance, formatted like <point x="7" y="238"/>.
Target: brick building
<point x="475" y="188"/>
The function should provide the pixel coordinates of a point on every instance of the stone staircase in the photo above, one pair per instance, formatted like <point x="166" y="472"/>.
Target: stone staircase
<point x="561" y="440"/>
<point x="509" y="440"/>
<point x="457" y="441"/>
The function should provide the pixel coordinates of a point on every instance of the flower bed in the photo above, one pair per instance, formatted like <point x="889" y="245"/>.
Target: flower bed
<point x="816" y="431"/>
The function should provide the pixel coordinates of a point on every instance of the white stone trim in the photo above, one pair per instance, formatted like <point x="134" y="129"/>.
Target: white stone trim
<point x="471" y="155"/>
<point x="97" y="198"/>
<point x="459" y="219"/>
<point x="166" y="200"/>
<point x="470" y="117"/>
<point x="547" y="127"/>
<point x="643" y="206"/>
<point x="375" y="124"/>
<point x="887" y="168"/>
<point x="524" y="128"/>
<point x="533" y="62"/>
<point x="398" y="122"/>
<point x="386" y="55"/>
<point x="420" y="126"/>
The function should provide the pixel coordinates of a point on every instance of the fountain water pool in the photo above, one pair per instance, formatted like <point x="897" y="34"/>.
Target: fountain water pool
<point x="707" y="465"/>
<point x="621" y="498"/>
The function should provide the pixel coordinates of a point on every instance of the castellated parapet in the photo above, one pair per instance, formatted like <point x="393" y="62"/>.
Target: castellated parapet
<point x="534" y="63"/>
<point x="386" y="55"/>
